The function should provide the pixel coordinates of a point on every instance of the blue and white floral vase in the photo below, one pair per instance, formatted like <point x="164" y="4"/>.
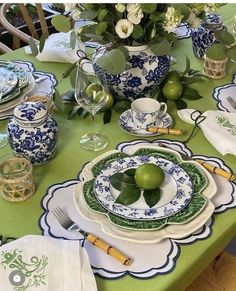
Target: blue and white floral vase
<point x="33" y="132"/>
<point x="203" y="36"/>
<point x="144" y="70"/>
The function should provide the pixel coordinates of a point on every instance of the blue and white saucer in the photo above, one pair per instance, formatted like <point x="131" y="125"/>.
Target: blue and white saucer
<point x="126" y="123"/>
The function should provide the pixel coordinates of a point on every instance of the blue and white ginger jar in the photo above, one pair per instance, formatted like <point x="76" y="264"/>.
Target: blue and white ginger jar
<point x="203" y="36"/>
<point x="33" y="132"/>
<point x="144" y="70"/>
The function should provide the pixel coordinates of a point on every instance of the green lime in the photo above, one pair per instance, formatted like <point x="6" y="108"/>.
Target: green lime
<point x="109" y="100"/>
<point x="172" y="90"/>
<point x="149" y="176"/>
<point x="93" y="87"/>
<point x="173" y="76"/>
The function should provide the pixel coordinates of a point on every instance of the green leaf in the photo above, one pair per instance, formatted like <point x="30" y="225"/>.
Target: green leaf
<point x="130" y="172"/>
<point x="184" y="10"/>
<point x="33" y="46"/>
<point x="73" y="111"/>
<point x="191" y="94"/>
<point x="125" y="51"/>
<point x="231" y="53"/>
<point x="58" y="101"/>
<point x="67" y="72"/>
<point x="102" y="13"/>
<point x="162" y="47"/>
<point x="42" y="42"/>
<point x="113" y="61"/>
<point x="101" y="27"/>
<point x="120" y="180"/>
<point x="180" y="104"/>
<point x="73" y="38"/>
<point x="88" y="14"/>
<point x="128" y="195"/>
<point x="137" y="32"/>
<point x="190" y="80"/>
<point x="107" y="116"/>
<point x="148" y="8"/>
<point x="216" y="52"/>
<point x="152" y="196"/>
<point x="61" y="23"/>
<point x="187" y="68"/>
<point x="224" y="37"/>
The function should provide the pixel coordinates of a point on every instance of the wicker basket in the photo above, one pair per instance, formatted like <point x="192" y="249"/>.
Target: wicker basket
<point x="214" y="69"/>
<point x="16" y="178"/>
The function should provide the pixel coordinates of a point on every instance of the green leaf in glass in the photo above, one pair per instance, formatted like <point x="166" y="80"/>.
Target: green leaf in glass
<point x="128" y="195"/>
<point x="113" y="62"/>
<point x="61" y="23"/>
<point x="216" y="52"/>
<point x="152" y="196"/>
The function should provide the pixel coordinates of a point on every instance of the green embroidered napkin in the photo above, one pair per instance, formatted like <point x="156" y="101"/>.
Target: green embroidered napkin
<point x="45" y="264"/>
<point x="219" y="127"/>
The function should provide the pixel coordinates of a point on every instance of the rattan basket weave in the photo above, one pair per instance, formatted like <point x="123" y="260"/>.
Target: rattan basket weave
<point x="214" y="69"/>
<point x="16" y="178"/>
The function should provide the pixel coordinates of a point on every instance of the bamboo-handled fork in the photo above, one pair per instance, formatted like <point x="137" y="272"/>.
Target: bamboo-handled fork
<point x="66" y="222"/>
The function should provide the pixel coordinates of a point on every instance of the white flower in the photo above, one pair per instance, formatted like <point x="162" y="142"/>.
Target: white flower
<point x="75" y="14"/>
<point x="193" y="20"/>
<point x="135" y="17"/>
<point x="172" y="19"/>
<point x="120" y="7"/>
<point x="69" y="6"/>
<point x="124" y="28"/>
<point x="133" y="8"/>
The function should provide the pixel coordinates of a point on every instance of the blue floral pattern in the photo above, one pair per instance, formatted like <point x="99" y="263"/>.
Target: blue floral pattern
<point x="143" y="72"/>
<point x="37" y="141"/>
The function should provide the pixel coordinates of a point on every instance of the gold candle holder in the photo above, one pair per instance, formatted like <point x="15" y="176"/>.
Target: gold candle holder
<point x="16" y="178"/>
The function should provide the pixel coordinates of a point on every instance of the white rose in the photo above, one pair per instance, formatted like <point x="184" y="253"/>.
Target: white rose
<point x="69" y="6"/>
<point x="120" y="7"/>
<point x="124" y="28"/>
<point x="75" y="14"/>
<point x="136" y="17"/>
<point x="132" y="8"/>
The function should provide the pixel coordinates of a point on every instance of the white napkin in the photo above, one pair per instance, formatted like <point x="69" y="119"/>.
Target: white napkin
<point x="219" y="128"/>
<point x="57" y="49"/>
<point x="45" y="264"/>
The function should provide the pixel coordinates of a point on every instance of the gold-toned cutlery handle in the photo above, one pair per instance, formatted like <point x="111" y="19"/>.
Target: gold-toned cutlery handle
<point x="108" y="249"/>
<point x="216" y="170"/>
<point x="173" y="131"/>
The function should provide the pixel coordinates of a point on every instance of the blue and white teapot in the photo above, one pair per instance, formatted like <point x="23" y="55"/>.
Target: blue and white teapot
<point x="33" y="132"/>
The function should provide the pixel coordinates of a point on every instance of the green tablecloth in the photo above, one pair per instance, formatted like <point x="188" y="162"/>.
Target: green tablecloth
<point x="18" y="219"/>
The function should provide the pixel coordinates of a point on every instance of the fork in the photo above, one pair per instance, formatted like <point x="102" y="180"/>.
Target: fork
<point x="231" y="102"/>
<point x="66" y="222"/>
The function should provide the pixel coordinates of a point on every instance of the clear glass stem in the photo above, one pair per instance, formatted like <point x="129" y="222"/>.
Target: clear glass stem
<point x="93" y="123"/>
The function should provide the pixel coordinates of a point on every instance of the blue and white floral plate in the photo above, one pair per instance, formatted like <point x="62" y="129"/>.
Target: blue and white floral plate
<point x="47" y="85"/>
<point x="126" y="123"/>
<point x="176" y="192"/>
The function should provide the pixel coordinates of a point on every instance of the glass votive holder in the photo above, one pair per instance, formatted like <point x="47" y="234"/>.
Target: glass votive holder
<point x="45" y="98"/>
<point x="16" y="178"/>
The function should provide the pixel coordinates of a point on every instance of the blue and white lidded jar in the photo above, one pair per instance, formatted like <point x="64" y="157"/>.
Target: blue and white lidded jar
<point x="33" y="132"/>
<point x="203" y="36"/>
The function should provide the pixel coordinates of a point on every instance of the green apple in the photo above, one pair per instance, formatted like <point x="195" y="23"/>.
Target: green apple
<point x="109" y="100"/>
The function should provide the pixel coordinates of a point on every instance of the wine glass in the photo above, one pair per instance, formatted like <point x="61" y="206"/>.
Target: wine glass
<point x="91" y="94"/>
<point x="3" y="135"/>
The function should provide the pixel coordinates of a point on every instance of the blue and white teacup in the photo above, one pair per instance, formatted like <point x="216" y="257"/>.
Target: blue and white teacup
<point x="147" y="112"/>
